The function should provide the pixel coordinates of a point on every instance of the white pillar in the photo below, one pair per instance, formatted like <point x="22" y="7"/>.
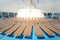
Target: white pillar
<point x="52" y="16"/>
<point x="46" y="15"/>
<point x="1" y="15"/>
<point x="8" y="14"/>
<point x="14" y="15"/>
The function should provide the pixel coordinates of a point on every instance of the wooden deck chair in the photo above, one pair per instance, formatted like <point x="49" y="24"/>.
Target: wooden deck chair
<point x="9" y="21"/>
<point x="2" y="22"/>
<point x="2" y="26"/>
<point x="19" y="31"/>
<point x="38" y="31"/>
<point x="49" y="32"/>
<point x="51" y="27"/>
<point x="53" y="22"/>
<point x="57" y="26"/>
<point x="6" y="24"/>
<point x="12" y="29"/>
<point x="56" y="23"/>
<point x="9" y="26"/>
<point x="28" y="29"/>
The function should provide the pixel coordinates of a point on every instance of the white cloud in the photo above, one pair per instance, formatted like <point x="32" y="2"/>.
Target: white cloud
<point x="16" y="4"/>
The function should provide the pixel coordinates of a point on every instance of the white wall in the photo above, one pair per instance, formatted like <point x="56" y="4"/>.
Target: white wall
<point x="15" y="5"/>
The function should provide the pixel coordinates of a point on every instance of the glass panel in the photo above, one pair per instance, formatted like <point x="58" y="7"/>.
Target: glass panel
<point x="45" y="14"/>
<point x="11" y="14"/>
<point x="5" y="14"/>
<point x="56" y="14"/>
<point x="0" y="15"/>
<point x="49" y="15"/>
<point x="15" y="14"/>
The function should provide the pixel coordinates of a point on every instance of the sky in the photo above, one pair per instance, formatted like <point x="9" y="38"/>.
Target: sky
<point x="44" y="5"/>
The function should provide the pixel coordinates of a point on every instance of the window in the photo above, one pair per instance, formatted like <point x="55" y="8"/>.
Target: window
<point x="0" y="15"/>
<point x="11" y="14"/>
<point x="5" y="14"/>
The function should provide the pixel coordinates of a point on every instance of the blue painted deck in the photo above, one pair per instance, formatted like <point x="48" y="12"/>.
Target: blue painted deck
<point x="33" y="37"/>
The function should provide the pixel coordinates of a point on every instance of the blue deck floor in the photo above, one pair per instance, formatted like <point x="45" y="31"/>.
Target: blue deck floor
<point x="33" y="37"/>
